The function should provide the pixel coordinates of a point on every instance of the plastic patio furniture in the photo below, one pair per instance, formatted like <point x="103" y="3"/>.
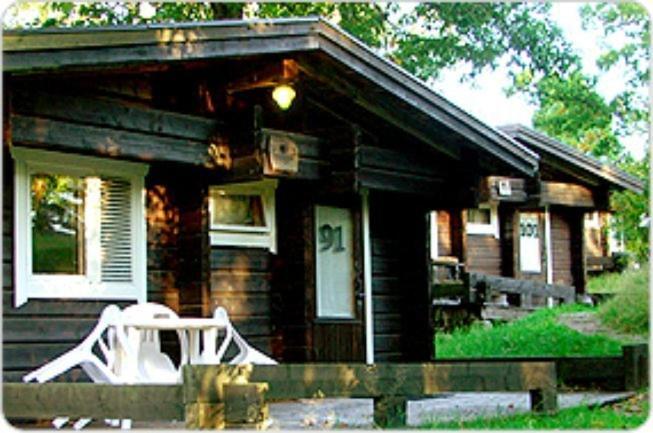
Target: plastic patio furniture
<point x="108" y="335"/>
<point x="153" y="365"/>
<point x="246" y="353"/>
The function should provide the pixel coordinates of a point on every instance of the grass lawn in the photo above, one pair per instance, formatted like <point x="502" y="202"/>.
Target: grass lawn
<point x="538" y="334"/>
<point x="626" y="281"/>
<point x="625" y="415"/>
<point x="628" y="310"/>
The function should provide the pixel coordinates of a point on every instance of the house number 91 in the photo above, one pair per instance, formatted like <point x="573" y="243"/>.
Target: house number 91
<point x="331" y="237"/>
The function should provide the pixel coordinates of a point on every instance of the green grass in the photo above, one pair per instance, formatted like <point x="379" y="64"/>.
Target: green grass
<point x="628" y="310"/>
<point x="611" y="282"/>
<point x="538" y="334"/>
<point x="627" y="415"/>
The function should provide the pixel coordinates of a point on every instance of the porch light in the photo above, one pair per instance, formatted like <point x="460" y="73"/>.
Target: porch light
<point x="283" y="95"/>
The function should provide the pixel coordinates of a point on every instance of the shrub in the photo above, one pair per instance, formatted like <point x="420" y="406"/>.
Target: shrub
<point x="628" y="310"/>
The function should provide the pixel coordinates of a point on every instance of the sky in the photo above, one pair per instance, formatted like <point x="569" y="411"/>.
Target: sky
<point x="486" y="100"/>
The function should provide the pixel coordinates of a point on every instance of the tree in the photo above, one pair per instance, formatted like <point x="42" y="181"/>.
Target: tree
<point x="572" y="111"/>
<point x="630" y="23"/>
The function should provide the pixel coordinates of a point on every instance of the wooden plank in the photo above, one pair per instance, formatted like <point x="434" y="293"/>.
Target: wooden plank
<point x="203" y="382"/>
<point x="76" y="400"/>
<point x="520" y="286"/>
<point x="413" y="162"/>
<point x="113" y="114"/>
<point x="92" y="58"/>
<point x="58" y="135"/>
<point x="387" y="180"/>
<point x="246" y="259"/>
<point x="566" y="194"/>
<point x="74" y="38"/>
<point x="46" y="329"/>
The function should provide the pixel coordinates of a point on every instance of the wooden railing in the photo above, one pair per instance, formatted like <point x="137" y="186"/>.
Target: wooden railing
<point x="218" y="396"/>
<point x="223" y="396"/>
<point x="481" y="289"/>
<point x="628" y="372"/>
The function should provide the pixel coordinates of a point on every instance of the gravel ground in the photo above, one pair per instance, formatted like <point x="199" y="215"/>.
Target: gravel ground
<point x="357" y="413"/>
<point x="341" y="413"/>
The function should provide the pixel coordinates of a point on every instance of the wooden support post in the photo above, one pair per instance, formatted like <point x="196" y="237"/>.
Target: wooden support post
<point x="390" y="411"/>
<point x="245" y="406"/>
<point x="526" y="300"/>
<point x="544" y="400"/>
<point x="635" y="359"/>
<point x="203" y="416"/>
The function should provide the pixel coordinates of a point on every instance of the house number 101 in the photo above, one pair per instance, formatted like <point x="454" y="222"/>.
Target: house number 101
<point x="331" y="237"/>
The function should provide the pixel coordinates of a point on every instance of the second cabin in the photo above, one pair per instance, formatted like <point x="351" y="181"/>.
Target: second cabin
<point x="552" y="228"/>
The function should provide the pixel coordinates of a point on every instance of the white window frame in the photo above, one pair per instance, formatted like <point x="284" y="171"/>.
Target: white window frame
<point x="88" y="285"/>
<point x="247" y="236"/>
<point x="486" y="229"/>
<point x="592" y="220"/>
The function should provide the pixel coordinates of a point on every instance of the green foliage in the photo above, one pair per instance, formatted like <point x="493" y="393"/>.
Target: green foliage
<point x="572" y="111"/>
<point x="538" y="334"/>
<point x="620" y="416"/>
<point x="631" y="50"/>
<point x="439" y="35"/>
<point x="629" y="207"/>
<point x="628" y="311"/>
<point x="612" y="282"/>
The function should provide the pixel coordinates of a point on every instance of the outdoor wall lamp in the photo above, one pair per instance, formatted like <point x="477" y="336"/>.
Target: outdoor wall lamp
<point x="283" y="95"/>
<point x="278" y="76"/>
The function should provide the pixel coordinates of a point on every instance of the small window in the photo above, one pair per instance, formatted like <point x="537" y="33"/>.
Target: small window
<point x="243" y="214"/>
<point x="483" y="221"/>
<point x="79" y="227"/>
<point x="592" y="220"/>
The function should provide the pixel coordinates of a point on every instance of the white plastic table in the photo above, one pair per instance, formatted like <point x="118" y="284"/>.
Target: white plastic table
<point x="205" y="329"/>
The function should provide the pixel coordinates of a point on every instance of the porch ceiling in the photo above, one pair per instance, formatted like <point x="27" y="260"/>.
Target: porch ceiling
<point x="324" y="52"/>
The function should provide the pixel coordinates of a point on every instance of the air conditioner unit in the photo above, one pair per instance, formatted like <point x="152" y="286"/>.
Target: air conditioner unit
<point x="504" y="187"/>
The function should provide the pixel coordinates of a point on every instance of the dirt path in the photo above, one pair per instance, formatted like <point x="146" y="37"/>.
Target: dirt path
<point x="589" y="323"/>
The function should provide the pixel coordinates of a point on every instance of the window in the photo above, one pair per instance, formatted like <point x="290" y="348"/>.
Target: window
<point x="79" y="227"/>
<point x="592" y="220"/>
<point x="483" y="221"/>
<point x="243" y="215"/>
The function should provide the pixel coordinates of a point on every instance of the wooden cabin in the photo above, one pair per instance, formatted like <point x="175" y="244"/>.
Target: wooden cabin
<point x="548" y="228"/>
<point x="153" y="164"/>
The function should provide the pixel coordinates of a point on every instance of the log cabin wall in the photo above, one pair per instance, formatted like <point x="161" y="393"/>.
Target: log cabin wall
<point x="483" y="254"/>
<point x="399" y="280"/>
<point x="177" y="239"/>
<point x="41" y="329"/>
<point x="561" y="248"/>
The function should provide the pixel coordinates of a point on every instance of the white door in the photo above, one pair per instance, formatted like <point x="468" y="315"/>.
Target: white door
<point x="334" y="257"/>
<point x="530" y="257"/>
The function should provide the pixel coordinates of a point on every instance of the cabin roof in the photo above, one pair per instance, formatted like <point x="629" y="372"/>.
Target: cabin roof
<point x="548" y="147"/>
<point x="71" y="49"/>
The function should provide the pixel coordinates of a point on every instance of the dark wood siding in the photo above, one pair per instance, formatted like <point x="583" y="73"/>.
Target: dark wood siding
<point x="483" y="254"/>
<point x="561" y="249"/>
<point x="292" y="274"/>
<point x="399" y="282"/>
<point x="40" y="330"/>
<point x="240" y="282"/>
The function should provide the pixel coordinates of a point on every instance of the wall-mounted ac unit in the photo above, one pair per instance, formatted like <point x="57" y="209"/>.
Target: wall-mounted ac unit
<point x="504" y="187"/>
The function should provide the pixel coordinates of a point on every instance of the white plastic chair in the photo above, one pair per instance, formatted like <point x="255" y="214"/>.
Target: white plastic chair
<point x="246" y="353"/>
<point x="107" y="334"/>
<point x="152" y="365"/>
